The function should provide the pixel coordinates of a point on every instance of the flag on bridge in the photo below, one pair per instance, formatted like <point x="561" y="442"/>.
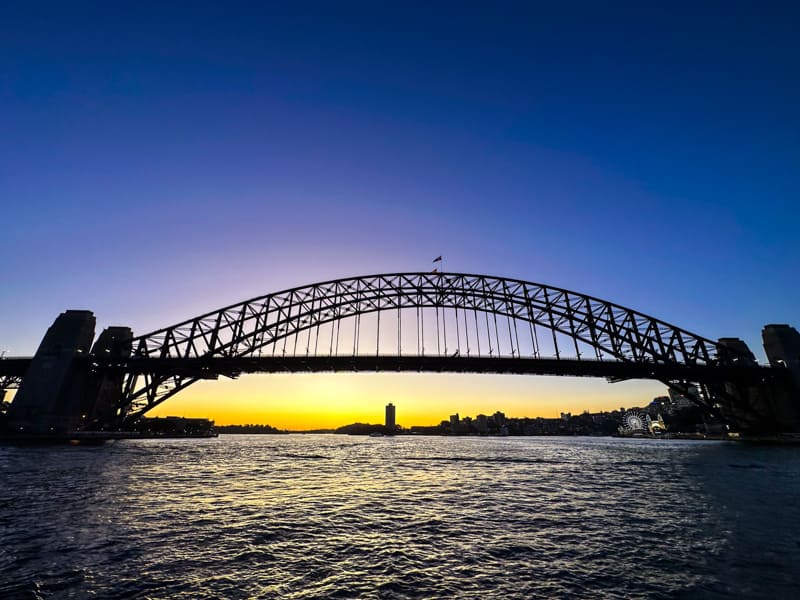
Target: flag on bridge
<point x="437" y="259"/>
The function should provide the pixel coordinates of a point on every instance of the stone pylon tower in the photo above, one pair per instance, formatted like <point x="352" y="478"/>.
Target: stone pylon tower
<point x="51" y="396"/>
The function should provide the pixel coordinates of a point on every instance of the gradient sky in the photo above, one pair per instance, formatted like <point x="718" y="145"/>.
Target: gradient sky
<point x="159" y="160"/>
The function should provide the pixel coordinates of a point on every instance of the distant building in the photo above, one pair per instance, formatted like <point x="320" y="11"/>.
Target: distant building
<point x="566" y="416"/>
<point x="660" y="401"/>
<point x="390" y="416"/>
<point x="175" y="427"/>
<point x="454" y="421"/>
<point x="482" y="424"/>
<point x="660" y="404"/>
<point x="657" y="425"/>
<point x="678" y="401"/>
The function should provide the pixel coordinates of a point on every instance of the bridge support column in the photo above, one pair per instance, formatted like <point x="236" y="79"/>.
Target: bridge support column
<point x="769" y="406"/>
<point x="51" y="395"/>
<point x="104" y="389"/>
<point x="754" y="408"/>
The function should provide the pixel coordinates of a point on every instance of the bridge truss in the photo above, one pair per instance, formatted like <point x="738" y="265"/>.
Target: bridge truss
<point x="424" y="316"/>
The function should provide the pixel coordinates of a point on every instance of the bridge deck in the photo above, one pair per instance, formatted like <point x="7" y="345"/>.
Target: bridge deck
<point x="212" y="367"/>
<point x="617" y="370"/>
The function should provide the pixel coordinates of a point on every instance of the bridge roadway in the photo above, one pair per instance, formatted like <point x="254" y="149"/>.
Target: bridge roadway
<point x="212" y="367"/>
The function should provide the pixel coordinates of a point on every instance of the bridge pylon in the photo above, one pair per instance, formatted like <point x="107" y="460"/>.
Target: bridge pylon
<point x="68" y="385"/>
<point x="51" y="396"/>
<point x="103" y="394"/>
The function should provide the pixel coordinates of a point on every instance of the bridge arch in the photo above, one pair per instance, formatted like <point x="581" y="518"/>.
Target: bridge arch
<point x="274" y="323"/>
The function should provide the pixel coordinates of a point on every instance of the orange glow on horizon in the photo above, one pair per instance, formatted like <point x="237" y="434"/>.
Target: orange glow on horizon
<point x="324" y="401"/>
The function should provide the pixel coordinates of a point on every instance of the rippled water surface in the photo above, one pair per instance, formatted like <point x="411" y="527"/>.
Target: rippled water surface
<point x="327" y="516"/>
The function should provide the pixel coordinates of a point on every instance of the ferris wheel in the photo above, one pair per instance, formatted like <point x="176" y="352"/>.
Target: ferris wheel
<point x="636" y="421"/>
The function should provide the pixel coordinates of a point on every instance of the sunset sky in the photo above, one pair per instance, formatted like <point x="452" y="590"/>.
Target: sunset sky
<point x="161" y="160"/>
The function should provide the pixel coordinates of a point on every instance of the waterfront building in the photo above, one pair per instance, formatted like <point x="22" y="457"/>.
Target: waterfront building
<point x="175" y="427"/>
<point x="657" y="425"/>
<point x="660" y="401"/>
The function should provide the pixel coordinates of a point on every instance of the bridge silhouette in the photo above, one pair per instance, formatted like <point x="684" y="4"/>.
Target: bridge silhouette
<point x="434" y="322"/>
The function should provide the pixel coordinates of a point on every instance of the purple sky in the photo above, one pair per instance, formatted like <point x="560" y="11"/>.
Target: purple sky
<point x="162" y="160"/>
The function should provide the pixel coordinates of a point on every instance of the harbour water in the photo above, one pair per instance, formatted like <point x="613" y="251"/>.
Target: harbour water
<point x="326" y="516"/>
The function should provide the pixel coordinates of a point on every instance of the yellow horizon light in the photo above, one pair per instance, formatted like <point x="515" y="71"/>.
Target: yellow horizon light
<point x="325" y="401"/>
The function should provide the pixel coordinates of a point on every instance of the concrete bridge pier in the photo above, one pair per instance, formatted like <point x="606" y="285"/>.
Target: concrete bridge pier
<point x="51" y="396"/>
<point x="758" y="408"/>
<point x="62" y="391"/>
<point x="782" y="346"/>
<point x="771" y="405"/>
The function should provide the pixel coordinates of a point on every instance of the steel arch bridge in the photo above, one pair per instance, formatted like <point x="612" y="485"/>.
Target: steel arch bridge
<point x="421" y="322"/>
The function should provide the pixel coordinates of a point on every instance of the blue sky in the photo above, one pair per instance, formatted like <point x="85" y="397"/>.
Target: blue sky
<point x="158" y="160"/>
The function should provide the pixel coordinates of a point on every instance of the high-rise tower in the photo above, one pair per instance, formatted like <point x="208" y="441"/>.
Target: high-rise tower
<point x="390" y="417"/>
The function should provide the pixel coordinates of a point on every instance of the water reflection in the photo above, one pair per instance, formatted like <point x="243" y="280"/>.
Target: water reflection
<point x="328" y="516"/>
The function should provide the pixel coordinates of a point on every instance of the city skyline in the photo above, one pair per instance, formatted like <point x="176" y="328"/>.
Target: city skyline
<point x="157" y="167"/>
<point x="391" y="422"/>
